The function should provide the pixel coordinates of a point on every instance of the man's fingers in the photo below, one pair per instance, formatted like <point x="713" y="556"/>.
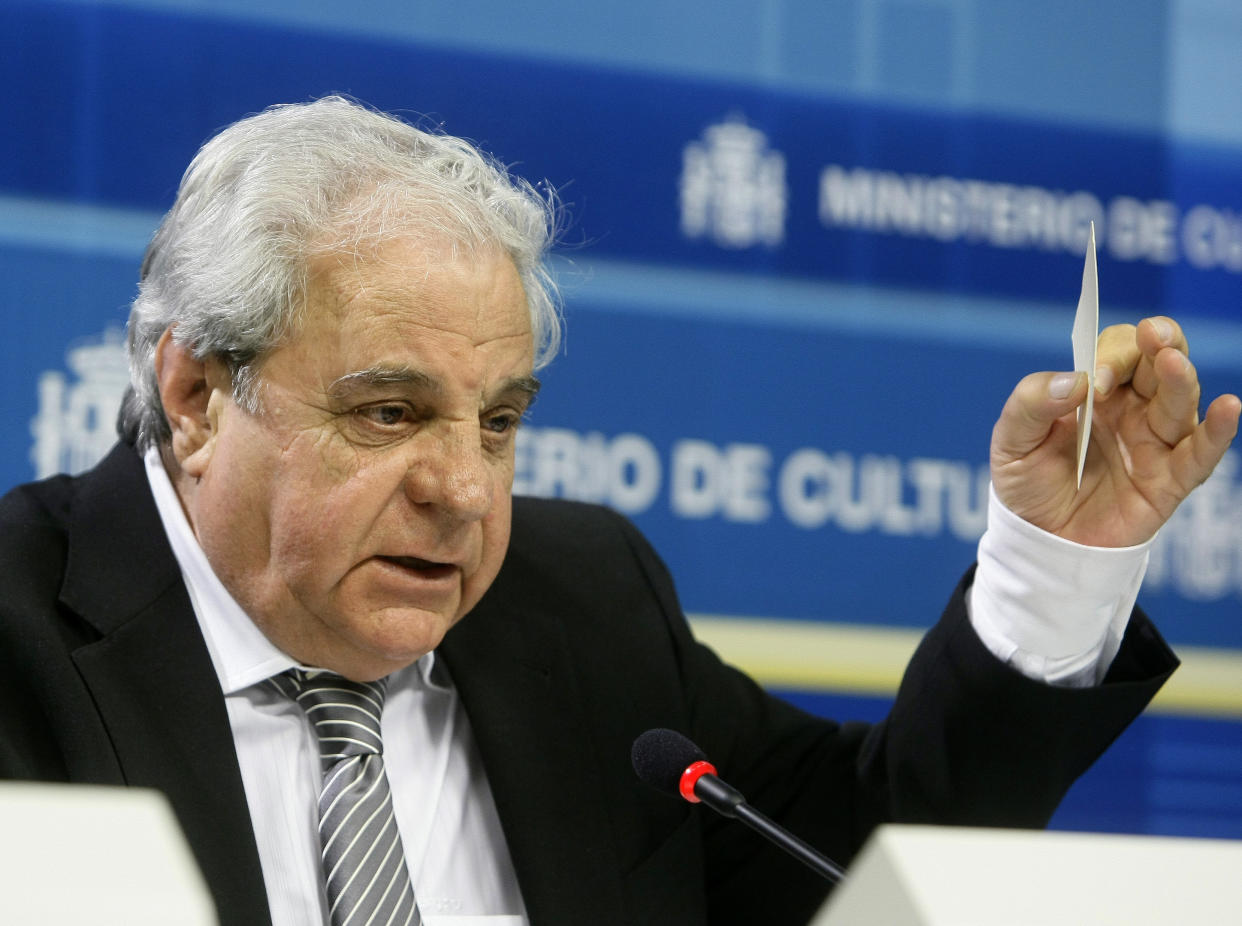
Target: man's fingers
<point x="1034" y="407"/>
<point x="1126" y="354"/>
<point x="1152" y="336"/>
<point x="1197" y="456"/>
<point x="1116" y="356"/>
<point x="1174" y="409"/>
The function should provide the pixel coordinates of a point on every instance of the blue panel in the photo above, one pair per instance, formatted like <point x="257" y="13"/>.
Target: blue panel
<point x="916" y="58"/>
<point x="1088" y="61"/>
<point x="53" y="300"/>
<point x="147" y="88"/>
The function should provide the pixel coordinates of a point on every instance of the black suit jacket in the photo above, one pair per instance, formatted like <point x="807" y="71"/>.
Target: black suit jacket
<point x="577" y="648"/>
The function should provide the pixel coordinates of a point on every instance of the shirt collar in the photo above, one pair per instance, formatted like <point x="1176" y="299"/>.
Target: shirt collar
<point x="241" y="654"/>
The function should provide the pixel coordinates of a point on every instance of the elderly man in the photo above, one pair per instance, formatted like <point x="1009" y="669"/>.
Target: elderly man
<point x="308" y="526"/>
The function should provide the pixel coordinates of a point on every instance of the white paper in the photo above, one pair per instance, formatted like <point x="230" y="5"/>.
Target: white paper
<point x="1086" y="334"/>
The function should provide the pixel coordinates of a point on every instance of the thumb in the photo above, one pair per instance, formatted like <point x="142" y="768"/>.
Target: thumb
<point x="1034" y="408"/>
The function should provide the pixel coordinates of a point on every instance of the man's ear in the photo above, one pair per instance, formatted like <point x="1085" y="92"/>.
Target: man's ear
<point x="190" y="394"/>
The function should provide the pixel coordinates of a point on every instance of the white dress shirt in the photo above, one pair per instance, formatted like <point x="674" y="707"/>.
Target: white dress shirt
<point x="1053" y="609"/>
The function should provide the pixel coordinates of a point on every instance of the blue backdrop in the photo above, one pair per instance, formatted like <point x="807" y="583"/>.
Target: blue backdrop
<point x="813" y="245"/>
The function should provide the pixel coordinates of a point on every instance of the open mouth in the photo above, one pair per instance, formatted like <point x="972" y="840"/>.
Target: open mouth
<point x="423" y="567"/>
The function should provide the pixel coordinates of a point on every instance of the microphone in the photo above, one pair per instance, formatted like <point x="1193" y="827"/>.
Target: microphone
<point x="670" y="763"/>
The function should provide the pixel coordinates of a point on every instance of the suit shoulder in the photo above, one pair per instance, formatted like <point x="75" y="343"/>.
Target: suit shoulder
<point x="586" y="544"/>
<point x="555" y="524"/>
<point x="33" y="537"/>
<point x="559" y="515"/>
<point x="33" y="514"/>
<point x="34" y="502"/>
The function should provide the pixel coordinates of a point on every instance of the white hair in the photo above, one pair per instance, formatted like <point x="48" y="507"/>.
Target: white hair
<point x="227" y="268"/>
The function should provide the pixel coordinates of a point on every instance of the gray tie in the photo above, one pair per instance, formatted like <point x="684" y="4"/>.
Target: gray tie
<point x="363" y="859"/>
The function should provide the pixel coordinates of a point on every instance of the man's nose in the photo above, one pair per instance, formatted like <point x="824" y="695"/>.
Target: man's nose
<point x="452" y="472"/>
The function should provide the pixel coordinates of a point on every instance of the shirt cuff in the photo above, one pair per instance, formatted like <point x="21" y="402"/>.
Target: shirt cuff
<point x="1053" y="609"/>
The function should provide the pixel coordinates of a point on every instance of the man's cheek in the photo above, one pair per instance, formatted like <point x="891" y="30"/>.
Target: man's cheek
<point x="309" y="542"/>
<point x="324" y="456"/>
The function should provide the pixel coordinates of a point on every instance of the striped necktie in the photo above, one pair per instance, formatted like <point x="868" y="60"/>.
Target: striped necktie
<point x="363" y="859"/>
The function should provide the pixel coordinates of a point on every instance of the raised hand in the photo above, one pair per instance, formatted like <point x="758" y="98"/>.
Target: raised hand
<point x="1148" y="448"/>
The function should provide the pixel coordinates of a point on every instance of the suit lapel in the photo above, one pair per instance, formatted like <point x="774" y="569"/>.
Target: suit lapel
<point x="152" y="679"/>
<point x="513" y="670"/>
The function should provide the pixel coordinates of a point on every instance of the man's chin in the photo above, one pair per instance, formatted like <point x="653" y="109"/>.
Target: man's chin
<point x="407" y="634"/>
<point x="382" y="642"/>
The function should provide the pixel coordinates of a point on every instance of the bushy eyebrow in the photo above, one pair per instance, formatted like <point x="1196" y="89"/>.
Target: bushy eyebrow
<point x="524" y="388"/>
<point x="383" y="376"/>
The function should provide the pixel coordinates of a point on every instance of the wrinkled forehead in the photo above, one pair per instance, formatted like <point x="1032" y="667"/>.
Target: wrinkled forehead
<point x="409" y="287"/>
<point x="429" y="279"/>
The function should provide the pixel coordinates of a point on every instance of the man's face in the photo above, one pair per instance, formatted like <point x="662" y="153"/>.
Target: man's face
<point x="365" y="508"/>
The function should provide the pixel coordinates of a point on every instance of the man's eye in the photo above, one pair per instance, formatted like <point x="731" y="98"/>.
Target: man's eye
<point x="386" y="415"/>
<point x="500" y="424"/>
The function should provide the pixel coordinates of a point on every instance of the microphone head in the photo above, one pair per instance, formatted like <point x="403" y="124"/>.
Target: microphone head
<point x="660" y="756"/>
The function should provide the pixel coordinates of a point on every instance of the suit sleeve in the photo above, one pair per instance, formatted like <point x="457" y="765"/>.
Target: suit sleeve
<point x="968" y="741"/>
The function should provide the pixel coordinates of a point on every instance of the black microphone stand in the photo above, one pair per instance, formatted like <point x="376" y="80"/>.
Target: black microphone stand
<point x="728" y="801"/>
